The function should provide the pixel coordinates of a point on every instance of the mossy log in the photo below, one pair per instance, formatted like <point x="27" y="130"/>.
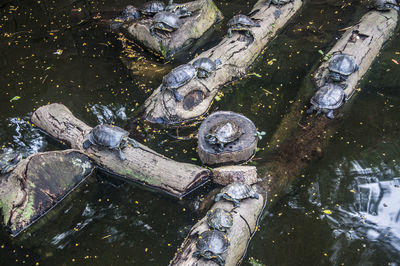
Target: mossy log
<point x="37" y="184"/>
<point x="205" y="14"/>
<point x="142" y="164"/>
<point x="245" y="219"/>
<point x="363" y="41"/>
<point x="236" y="57"/>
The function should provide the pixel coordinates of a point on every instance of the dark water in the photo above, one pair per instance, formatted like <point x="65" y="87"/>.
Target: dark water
<point x="344" y="209"/>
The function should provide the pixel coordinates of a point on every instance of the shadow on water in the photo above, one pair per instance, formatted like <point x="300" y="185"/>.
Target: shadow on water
<point x="106" y="221"/>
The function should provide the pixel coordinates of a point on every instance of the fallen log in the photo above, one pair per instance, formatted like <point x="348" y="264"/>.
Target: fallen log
<point x="142" y="164"/>
<point x="245" y="220"/>
<point x="236" y="56"/>
<point x="204" y="14"/>
<point x="301" y="139"/>
<point x="37" y="184"/>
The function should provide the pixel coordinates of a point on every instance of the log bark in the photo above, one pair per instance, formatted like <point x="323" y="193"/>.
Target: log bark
<point x="142" y="164"/>
<point x="37" y="184"/>
<point x="236" y="56"/>
<point x="226" y="175"/>
<point x="205" y="14"/>
<point x="245" y="220"/>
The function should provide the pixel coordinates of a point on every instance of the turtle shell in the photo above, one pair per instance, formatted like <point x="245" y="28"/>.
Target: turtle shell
<point x="153" y="7"/>
<point x="343" y="64"/>
<point x="385" y="5"/>
<point x="330" y="96"/>
<point x="212" y="241"/>
<point x="239" y="190"/>
<point x="205" y="64"/>
<point x="179" y="76"/>
<point x="226" y="132"/>
<point x="107" y="135"/>
<point x="8" y="162"/>
<point x="130" y="12"/>
<point x="281" y="2"/>
<point x="242" y="20"/>
<point x="167" y="18"/>
<point x="219" y="219"/>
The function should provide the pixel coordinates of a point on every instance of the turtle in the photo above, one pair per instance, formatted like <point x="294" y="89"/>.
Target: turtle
<point x="153" y="7"/>
<point x="278" y="3"/>
<point x="178" y="9"/>
<point x="211" y="244"/>
<point x="326" y="99"/>
<point x="205" y="66"/>
<point x="385" y="5"/>
<point x="111" y="137"/>
<point x="129" y="13"/>
<point x="237" y="191"/>
<point x="341" y="66"/>
<point x="219" y="219"/>
<point x="178" y="77"/>
<point x="223" y="133"/>
<point x="165" y="21"/>
<point x="8" y="161"/>
<point x="241" y="23"/>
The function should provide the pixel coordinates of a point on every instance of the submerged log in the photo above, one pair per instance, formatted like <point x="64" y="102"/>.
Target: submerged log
<point x="245" y="220"/>
<point x="294" y="145"/>
<point x="142" y="164"/>
<point x="236" y="56"/>
<point x="37" y="184"/>
<point x="205" y="14"/>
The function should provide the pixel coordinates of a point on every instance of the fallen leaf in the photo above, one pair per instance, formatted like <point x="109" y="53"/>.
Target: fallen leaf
<point x="217" y="98"/>
<point x="327" y="211"/>
<point x="394" y="61"/>
<point x="15" y="98"/>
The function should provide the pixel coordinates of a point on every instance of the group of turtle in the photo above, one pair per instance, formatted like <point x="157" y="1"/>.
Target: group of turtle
<point x="214" y="242"/>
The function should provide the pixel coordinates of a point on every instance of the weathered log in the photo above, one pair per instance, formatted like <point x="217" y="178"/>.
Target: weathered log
<point x="238" y="151"/>
<point x="363" y="41"/>
<point x="205" y="14"/>
<point x="245" y="219"/>
<point x="37" y="184"/>
<point x="226" y="175"/>
<point x="236" y="56"/>
<point x="142" y="164"/>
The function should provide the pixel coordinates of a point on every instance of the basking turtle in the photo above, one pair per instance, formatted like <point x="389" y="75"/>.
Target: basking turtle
<point x="129" y="13"/>
<point x="224" y="133"/>
<point x="8" y="161"/>
<point x="178" y="77"/>
<point x="219" y="219"/>
<point x="326" y="99"/>
<point x="278" y="3"/>
<point x="211" y="244"/>
<point x="152" y="8"/>
<point x="241" y="23"/>
<point x="111" y="137"/>
<point x="237" y="191"/>
<point x="341" y="66"/>
<point x="385" y="5"/>
<point x="205" y="66"/>
<point x="178" y="9"/>
<point x="165" y="21"/>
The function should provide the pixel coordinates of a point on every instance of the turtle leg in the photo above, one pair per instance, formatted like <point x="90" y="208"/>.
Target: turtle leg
<point x="133" y="143"/>
<point x="121" y="156"/>
<point x="318" y="112"/>
<point x="311" y="110"/>
<point x="235" y="201"/>
<point x="230" y="33"/>
<point x="218" y="197"/>
<point x="218" y="259"/>
<point x="330" y="114"/>
<point x="255" y="196"/>
<point x="86" y="144"/>
<point x="221" y="147"/>
<point x="177" y="96"/>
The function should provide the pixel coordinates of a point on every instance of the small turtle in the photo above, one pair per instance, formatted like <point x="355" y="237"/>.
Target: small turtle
<point x="205" y="66"/>
<point x="152" y="8"/>
<point x="326" y="99"/>
<point x="211" y="244"/>
<point x="8" y="161"/>
<point x="241" y="23"/>
<point x="178" y="9"/>
<point x="165" y="21"/>
<point x="111" y="137"/>
<point x="278" y="3"/>
<point x="385" y="5"/>
<point x="341" y="66"/>
<point x="178" y="77"/>
<point x="219" y="219"/>
<point x="129" y="13"/>
<point x="237" y="191"/>
<point x="224" y="133"/>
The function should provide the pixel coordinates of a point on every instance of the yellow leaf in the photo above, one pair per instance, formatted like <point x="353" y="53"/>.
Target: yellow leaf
<point x="327" y="211"/>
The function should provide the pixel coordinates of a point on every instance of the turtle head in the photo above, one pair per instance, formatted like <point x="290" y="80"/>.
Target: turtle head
<point x="217" y="62"/>
<point x="335" y="76"/>
<point x="211" y="139"/>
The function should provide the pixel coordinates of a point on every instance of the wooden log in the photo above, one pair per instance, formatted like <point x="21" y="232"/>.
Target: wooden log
<point x="37" y="184"/>
<point x="226" y="175"/>
<point x="369" y="35"/>
<point x="245" y="220"/>
<point x="142" y="164"/>
<point x="236" y="56"/>
<point x="205" y="14"/>
<point x="238" y="151"/>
